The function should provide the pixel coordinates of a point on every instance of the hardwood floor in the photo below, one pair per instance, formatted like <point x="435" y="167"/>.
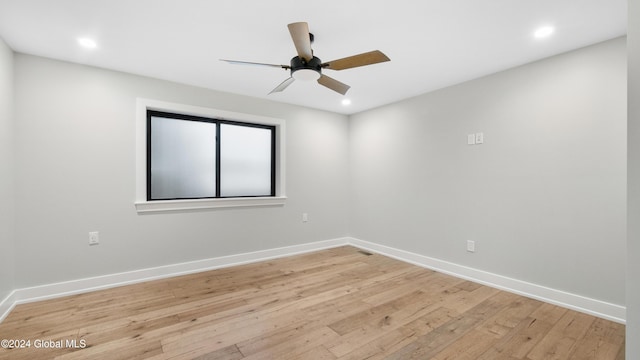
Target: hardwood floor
<point x="332" y="304"/>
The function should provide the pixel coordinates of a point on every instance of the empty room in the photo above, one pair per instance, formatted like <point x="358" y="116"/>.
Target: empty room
<point x="338" y="180"/>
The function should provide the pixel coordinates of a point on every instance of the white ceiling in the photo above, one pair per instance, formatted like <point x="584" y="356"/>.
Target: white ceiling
<point x="431" y="43"/>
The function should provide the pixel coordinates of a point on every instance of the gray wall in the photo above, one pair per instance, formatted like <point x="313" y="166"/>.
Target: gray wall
<point x="544" y="197"/>
<point x="7" y="233"/>
<point x="633" y="242"/>
<point x="75" y="146"/>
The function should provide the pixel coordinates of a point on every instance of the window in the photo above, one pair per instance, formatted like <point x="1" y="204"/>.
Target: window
<point x="191" y="157"/>
<point x="194" y="158"/>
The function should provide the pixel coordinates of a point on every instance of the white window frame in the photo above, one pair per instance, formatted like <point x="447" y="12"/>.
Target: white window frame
<point x="144" y="206"/>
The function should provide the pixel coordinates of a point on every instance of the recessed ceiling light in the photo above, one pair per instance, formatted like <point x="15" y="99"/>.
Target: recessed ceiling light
<point x="346" y="102"/>
<point x="87" y="43"/>
<point x="543" y="32"/>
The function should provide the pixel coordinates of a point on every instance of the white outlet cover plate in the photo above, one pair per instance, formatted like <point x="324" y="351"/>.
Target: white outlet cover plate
<point x="471" y="246"/>
<point x="94" y="238"/>
<point x="471" y="139"/>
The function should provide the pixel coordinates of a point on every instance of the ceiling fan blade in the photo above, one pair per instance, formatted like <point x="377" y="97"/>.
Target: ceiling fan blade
<point x="333" y="84"/>
<point x="283" y="85"/>
<point x="236" y="62"/>
<point x="368" y="58"/>
<point x="301" y="39"/>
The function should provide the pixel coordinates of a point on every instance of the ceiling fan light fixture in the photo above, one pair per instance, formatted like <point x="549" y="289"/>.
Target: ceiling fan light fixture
<point x="304" y="70"/>
<point x="306" y="75"/>
<point x="307" y="67"/>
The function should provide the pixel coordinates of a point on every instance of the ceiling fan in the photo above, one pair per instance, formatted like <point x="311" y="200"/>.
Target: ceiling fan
<point x="307" y="67"/>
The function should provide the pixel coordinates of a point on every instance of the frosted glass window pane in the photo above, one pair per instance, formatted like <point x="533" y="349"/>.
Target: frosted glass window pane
<point x="183" y="157"/>
<point x="245" y="161"/>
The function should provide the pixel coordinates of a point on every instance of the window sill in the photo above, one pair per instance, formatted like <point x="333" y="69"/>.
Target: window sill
<point x="203" y="204"/>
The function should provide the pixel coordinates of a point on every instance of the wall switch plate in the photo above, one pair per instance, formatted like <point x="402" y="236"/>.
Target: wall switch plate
<point x="305" y="217"/>
<point x="471" y="139"/>
<point x="94" y="238"/>
<point x="471" y="246"/>
<point x="479" y="138"/>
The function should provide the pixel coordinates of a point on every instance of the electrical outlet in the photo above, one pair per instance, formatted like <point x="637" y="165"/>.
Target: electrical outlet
<point x="479" y="138"/>
<point x="471" y="246"/>
<point x="305" y="217"/>
<point x="471" y="139"/>
<point x="94" y="238"/>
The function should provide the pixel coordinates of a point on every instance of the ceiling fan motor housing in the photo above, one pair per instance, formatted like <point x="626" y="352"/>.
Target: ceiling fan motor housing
<point x="311" y="69"/>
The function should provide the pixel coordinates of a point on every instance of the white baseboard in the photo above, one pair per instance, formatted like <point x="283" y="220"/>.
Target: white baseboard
<point x="572" y="301"/>
<point x="580" y="303"/>
<point x="50" y="291"/>
<point x="7" y="304"/>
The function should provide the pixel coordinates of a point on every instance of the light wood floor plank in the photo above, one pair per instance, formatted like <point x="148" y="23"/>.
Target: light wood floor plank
<point x="340" y="303"/>
<point x="560" y="341"/>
